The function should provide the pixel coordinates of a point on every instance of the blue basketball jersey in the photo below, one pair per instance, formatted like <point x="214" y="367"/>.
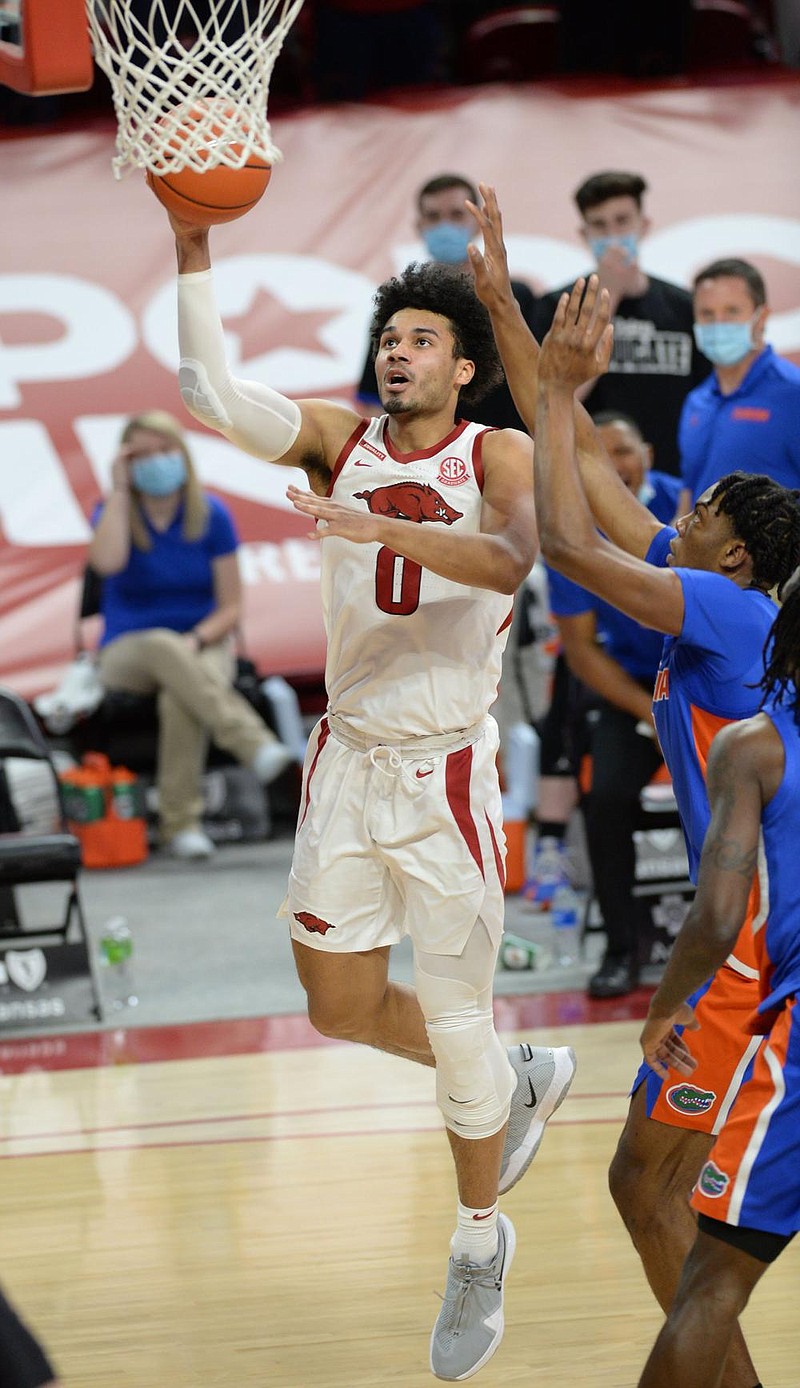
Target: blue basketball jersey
<point x="709" y="676"/>
<point x="779" y="873"/>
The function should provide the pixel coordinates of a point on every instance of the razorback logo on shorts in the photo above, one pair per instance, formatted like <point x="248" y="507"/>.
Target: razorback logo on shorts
<point x="414" y="501"/>
<point x="687" y="1098"/>
<point x="713" y="1182"/>
<point x="313" y="924"/>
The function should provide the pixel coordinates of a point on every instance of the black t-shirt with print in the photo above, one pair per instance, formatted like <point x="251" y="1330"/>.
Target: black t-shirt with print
<point x="654" y="363"/>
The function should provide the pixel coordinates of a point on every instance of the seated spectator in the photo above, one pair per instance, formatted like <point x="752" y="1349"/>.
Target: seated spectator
<point x="171" y="603"/>
<point x="617" y="659"/>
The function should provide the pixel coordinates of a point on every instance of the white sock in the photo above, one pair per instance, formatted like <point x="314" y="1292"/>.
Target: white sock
<point x="475" y="1236"/>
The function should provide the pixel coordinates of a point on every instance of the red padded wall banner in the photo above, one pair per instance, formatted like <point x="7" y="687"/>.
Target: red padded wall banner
<point x="88" y="330"/>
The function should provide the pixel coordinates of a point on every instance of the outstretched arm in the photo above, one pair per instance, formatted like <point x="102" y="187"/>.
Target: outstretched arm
<point x="577" y="348"/>
<point x="629" y="524"/>
<point x="306" y="434"/>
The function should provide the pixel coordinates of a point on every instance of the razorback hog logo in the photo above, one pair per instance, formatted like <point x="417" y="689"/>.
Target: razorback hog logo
<point x="313" y="924"/>
<point x="414" y="501"/>
<point x="687" y="1098"/>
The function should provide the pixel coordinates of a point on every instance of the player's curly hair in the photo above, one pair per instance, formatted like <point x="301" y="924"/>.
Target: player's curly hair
<point x="440" y="289"/>
<point x="782" y="656"/>
<point x="766" y="517"/>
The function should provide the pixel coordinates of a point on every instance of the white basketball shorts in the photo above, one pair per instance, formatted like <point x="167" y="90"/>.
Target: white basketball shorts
<point x="398" y="841"/>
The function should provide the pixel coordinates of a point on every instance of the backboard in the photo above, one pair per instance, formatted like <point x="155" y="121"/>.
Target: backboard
<point x="44" y="46"/>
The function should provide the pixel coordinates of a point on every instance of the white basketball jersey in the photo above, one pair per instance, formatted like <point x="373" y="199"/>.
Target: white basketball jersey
<point x="410" y="654"/>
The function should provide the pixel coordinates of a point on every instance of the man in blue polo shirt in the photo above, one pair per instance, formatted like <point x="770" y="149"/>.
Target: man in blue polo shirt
<point x="746" y="415"/>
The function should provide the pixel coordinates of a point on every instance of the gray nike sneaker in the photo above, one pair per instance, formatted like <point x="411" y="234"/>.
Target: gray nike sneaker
<point x="470" y="1325"/>
<point x="544" y="1076"/>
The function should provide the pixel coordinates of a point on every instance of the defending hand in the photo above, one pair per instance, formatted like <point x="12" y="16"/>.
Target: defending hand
<point x="578" y="345"/>
<point x="663" y="1048"/>
<point x="492" y="281"/>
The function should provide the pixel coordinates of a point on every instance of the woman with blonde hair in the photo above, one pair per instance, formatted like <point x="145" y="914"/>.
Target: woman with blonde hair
<point x="167" y="553"/>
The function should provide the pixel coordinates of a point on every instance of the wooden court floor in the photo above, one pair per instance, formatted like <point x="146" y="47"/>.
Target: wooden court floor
<point x="282" y="1218"/>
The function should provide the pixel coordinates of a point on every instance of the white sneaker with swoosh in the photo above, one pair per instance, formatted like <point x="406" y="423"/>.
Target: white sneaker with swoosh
<point x="544" y="1075"/>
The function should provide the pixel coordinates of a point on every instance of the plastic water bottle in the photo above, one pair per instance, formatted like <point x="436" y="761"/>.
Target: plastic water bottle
<point x="116" y="948"/>
<point x="549" y="872"/>
<point x="565" y="919"/>
<point x="521" y="766"/>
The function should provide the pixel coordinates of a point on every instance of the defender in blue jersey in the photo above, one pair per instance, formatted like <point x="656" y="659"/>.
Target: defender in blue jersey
<point x="743" y="538"/>
<point x="748" y="1193"/>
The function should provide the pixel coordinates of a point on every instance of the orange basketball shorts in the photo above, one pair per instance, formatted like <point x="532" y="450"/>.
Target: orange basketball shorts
<point x="752" y="1177"/>
<point x="724" y="1050"/>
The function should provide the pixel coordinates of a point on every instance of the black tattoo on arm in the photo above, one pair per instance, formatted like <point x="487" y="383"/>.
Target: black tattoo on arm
<point x="724" y="852"/>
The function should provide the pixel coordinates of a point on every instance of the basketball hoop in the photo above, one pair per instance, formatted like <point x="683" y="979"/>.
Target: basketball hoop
<point x="211" y="58"/>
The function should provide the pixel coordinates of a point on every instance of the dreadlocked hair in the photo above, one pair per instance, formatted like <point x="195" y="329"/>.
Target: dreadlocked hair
<point x="436" y="288"/>
<point x="766" y="517"/>
<point x="782" y="656"/>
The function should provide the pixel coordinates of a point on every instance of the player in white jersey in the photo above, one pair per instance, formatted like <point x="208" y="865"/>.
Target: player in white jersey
<point x="427" y="528"/>
<point x="454" y="684"/>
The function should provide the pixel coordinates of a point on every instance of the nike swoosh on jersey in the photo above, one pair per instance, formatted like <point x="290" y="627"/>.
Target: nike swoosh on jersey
<point x="421" y="774"/>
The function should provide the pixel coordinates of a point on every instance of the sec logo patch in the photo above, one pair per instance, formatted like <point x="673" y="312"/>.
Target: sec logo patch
<point x="452" y="471"/>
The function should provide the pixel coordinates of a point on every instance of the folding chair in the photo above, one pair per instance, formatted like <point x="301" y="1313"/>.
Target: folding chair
<point x="35" y="844"/>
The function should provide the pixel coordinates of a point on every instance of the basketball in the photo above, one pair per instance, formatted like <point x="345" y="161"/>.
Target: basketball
<point x="217" y="193"/>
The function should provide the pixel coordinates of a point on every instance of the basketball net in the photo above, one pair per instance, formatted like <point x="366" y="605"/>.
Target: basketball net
<point x="190" y="87"/>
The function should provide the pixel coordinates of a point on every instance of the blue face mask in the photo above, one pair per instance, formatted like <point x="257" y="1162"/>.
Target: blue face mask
<point x="447" y="243"/>
<point x="598" y="245"/>
<point x="724" y="343"/>
<point x="159" y="474"/>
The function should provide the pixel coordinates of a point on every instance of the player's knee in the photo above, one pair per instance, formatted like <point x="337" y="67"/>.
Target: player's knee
<point x="713" y="1275"/>
<point x="474" y="1081"/>
<point x="633" y="1183"/>
<point x="622" y="1179"/>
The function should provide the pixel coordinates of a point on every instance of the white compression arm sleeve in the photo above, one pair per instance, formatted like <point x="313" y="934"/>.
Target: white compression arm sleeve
<point x="248" y="413"/>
